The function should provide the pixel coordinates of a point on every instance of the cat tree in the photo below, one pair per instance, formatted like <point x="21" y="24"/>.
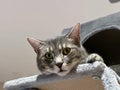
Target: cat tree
<point x="101" y="36"/>
<point x="109" y="78"/>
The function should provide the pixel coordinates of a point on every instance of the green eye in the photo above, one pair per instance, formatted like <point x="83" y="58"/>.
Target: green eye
<point x="66" y="51"/>
<point x="48" y="55"/>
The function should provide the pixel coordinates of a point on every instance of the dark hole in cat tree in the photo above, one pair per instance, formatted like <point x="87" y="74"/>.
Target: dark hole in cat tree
<point x="107" y="44"/>
<point x="114" y="1"/>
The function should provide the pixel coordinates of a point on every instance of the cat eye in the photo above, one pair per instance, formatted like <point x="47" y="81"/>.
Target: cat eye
<point x="49" y="55"/>
<point x="66" y="51"/>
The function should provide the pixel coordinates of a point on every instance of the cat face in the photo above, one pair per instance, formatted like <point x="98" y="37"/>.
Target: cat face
<point x="59" y="55"/>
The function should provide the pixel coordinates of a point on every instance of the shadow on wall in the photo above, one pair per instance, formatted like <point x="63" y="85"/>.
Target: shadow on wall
<point x="114" y="1"/>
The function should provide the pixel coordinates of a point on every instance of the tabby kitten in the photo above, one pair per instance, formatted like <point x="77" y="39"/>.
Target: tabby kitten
<point x="62" y="54"/>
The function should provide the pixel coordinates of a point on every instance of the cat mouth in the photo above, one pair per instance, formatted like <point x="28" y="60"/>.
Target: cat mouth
<point x="61" y="70"/>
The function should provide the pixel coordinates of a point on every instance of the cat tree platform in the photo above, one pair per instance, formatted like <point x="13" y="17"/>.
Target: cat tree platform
<point x="100" y="36"/>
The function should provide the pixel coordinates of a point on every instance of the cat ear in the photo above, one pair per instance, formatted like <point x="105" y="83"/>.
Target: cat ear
<point x="36" y="44"/>
<point x="75" y="34"/>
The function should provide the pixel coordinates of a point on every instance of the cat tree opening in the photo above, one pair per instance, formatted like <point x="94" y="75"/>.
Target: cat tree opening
<point x="107" y="44"/>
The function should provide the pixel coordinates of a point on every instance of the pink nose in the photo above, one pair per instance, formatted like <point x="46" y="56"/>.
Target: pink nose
<point x="59" y="65"/>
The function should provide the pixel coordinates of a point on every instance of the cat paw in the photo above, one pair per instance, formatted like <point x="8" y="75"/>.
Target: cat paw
<point x="94" y="57"/>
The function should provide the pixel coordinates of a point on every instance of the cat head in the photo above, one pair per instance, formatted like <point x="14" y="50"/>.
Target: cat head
<point x="59" y="55"/>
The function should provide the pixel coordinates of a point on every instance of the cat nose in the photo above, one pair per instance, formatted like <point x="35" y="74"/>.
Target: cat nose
<point x="59" y="64"/>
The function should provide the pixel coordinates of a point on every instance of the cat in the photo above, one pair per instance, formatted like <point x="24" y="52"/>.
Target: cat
<point x="62" y="54"/>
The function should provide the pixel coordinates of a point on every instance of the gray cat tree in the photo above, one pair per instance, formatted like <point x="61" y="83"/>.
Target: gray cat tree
<point x="101" y="36"/>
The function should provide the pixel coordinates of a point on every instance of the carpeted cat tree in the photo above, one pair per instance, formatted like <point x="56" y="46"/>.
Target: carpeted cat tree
<point x="100" y="36"/>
